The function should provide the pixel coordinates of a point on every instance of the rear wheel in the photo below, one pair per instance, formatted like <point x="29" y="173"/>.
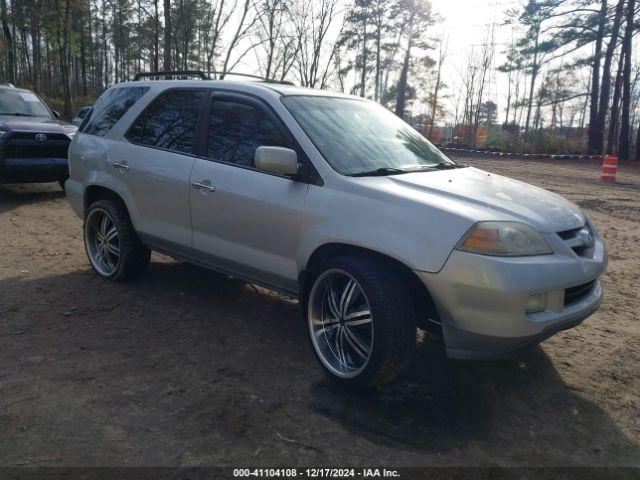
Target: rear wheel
<point x="361" y="321"/>
<point x="112" y="245"/>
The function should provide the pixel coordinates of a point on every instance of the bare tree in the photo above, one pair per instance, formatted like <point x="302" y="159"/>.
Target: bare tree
<point x="242" y="31"/>
<point x="312" y="25"/>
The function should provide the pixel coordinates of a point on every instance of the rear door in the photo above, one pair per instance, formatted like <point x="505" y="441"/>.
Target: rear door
<point x="156" y="163"/>
<point x="245" y="221"/>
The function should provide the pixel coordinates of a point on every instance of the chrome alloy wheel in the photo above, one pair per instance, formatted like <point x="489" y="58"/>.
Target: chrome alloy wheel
<point x="102" y="242"/>
<point x="340" y="323"/>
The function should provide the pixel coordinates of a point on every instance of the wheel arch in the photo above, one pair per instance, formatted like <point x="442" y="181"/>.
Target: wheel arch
<point x="426" y="310"/>
<point x="93" y="193"/>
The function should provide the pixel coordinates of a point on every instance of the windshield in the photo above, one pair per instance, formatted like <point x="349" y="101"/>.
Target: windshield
<point x="360" y="137"/>
<point x="18" y="102"/>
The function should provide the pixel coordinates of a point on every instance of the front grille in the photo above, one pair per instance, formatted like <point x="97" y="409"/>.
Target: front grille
<point x="580" y="240"/>
<point x="575" y="294"/>
<point x="36" y="151"/>
<point x="20" y="137"/>
<point x="24" y="145"/>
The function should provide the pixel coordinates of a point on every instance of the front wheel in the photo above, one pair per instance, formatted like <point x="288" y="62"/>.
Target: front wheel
<point x="361" y="321"/>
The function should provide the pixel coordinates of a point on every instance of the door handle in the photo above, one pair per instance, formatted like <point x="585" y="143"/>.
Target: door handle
<point x="203" y="186"/>
<point x="122" y="165"/>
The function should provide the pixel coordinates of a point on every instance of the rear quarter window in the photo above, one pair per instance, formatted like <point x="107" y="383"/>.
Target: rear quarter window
<point x="110" y="108"/>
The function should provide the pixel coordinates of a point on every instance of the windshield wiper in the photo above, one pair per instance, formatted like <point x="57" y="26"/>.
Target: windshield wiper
<point x="384" y="171"/>
<point x="449" y="166"/>
<point x="380" y="172"/>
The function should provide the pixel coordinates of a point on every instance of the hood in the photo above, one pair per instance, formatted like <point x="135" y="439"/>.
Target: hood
<point x="483" y="196"/>
<point x="35" y="124"/>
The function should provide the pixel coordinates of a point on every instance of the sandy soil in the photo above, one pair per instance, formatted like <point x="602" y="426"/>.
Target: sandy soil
<point x="186" y="367"/>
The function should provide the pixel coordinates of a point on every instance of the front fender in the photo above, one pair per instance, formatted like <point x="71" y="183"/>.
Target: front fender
<point x="419" y="236"/>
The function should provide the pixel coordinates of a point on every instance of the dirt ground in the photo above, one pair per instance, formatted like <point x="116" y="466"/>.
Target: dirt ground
<point x="186" y="367"/>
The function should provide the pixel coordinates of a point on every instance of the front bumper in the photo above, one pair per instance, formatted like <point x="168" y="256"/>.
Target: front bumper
<point x="481" y="300"/>
<point x="22" y="170"/>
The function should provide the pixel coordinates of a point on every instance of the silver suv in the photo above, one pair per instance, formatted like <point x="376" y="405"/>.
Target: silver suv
<point x="334" y="200"/>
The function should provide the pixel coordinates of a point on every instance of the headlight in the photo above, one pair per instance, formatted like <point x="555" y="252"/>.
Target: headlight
<point x="2" y="132"/>
<point x="509" y="239"/>
<point x="71" y="133"/>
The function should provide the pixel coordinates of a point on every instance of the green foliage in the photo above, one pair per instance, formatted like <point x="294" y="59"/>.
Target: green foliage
<point x="488" y="112"/>
<point x="57" y="103"/>
<point x="541" y="141"/>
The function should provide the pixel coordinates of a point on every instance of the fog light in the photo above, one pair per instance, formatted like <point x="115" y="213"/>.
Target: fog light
<point x="536" y="303"/>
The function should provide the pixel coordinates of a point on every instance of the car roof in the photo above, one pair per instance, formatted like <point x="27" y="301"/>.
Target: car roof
<point x="13" y="89"/>
<point x="256" y="87"/>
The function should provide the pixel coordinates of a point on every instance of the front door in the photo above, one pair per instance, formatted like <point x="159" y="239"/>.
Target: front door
<point x="245" y="221"/>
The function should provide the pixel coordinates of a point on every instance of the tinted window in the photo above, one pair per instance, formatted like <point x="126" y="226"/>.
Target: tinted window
<point x="170" y="121"/>
<point x="21" y="102"/>
<point x="237" y="129"/>
<point x="109" y="108"/>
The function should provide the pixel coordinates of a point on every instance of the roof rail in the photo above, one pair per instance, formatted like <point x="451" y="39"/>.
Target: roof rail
<point x="177" y="74"/>
<point x="186" y="74"/>
<point x="255" y="77"/>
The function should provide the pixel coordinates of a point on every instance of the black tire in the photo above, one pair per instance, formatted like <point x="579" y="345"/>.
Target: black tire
<point x="393" y="317"/>
<point x="61" y="183"/>
<point x="134" y="255"/>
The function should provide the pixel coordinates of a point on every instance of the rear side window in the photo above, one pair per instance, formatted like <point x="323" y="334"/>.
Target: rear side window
<point x="170" y="121"/>
<point x="110" y="108"/>
<point x="237" y="129"/>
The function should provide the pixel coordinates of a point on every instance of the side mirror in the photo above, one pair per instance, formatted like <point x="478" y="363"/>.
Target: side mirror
<point x="279" y="160"/>
<point x="56" y="113"/>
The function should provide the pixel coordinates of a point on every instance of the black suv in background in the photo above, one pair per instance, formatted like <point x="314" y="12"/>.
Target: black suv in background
<point x="33" y="141"/>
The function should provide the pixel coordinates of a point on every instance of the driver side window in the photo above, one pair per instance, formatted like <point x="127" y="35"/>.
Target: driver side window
<point x="237" y="129"/>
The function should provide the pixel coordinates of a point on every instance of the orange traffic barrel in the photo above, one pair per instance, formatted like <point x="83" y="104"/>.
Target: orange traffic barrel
<point x="609" y="168"/>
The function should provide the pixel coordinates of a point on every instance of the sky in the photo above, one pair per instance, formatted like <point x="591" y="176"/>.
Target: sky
<point x="464" y="25"/>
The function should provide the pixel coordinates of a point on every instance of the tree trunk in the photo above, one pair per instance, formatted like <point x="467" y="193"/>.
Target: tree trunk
<point x="83" y="52"/>
<point x="434" y="100"/>
<point x="623" y="149"/>
<point x="156" y="37"/>
<point x="378" y="50"/>
<point x="167" y="35"/>
<point x="35" y="45"/>
<point x="595" y="82"/>
<point x="11" y="54"/>
<point x="363" y="75"/>
<point x="615" y="108"/>
<point x="63" y="49"/>
<point x="534" y="74"/>
<point x="506" y="116"/>
<point x="597" y="131"/>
